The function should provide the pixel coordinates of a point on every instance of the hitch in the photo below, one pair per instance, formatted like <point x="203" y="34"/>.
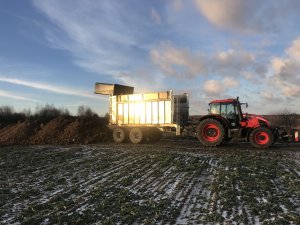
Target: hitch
<point x="291" y="136"/>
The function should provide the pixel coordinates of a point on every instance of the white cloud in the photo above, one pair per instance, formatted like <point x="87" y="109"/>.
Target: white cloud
<point x="267" y="95"/>
<point x="217" y="87"/>
<point x="155" y="16"/>
<point x="184" y="63"/>
<point x="234" y="57"/>
<point x="230" y="83"/>
<point x="287" y="88"/>
<point x="234" y="62"/>
<point x="247" y="16"/>
<point x="177" y="5"/>
<point x="47" y="87"/>
<point x="213" y="87"/>
<point x="180" y="63"/>
<point x="6" y="94"/>
<point x="223" y="13"/>
<point x="286" y="71"/>
<point x="294" y="51"/>
<point x="277" y="63"/>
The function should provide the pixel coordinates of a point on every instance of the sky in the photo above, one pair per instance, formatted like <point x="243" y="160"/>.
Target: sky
<point x="53" y="51"/>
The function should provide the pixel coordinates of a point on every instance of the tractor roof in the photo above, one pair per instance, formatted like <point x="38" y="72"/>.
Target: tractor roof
<point x="224" y="100"/>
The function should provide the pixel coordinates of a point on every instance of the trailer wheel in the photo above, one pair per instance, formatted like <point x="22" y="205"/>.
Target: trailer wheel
<point x="119" y="135"/>
<point x="136" y="135"/>
<point x="211" y="132"/>
<point x="261" y="137"/>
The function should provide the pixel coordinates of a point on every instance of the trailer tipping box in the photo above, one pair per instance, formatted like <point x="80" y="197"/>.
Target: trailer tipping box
<point x="156" y="108"/>
<point x="143" y="116"/>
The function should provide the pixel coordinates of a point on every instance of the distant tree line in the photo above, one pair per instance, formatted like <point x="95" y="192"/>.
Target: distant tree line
<point x="285" y="118"/>
<point x="46" y="112"/>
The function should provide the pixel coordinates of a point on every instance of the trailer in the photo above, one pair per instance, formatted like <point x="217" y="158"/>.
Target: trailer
<point x="144" y="116"/>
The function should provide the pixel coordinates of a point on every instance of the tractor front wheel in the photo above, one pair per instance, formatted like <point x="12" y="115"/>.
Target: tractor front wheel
<point x="211" y="132"/>
<point x="261" y="137"/>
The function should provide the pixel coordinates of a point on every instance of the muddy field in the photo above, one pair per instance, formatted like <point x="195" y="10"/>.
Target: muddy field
<point x="170" y="182"/>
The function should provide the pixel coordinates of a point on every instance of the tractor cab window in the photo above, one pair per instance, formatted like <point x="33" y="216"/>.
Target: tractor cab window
<point x="230" y="111"/>
<point x="224" y="109"/>
<point x="227" y="110"/>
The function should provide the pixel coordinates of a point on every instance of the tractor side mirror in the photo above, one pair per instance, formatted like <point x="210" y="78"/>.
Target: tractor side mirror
<point x="246" y="105"/>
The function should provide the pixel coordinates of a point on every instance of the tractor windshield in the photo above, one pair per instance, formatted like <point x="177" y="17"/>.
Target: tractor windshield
<point x="214" y="108"/>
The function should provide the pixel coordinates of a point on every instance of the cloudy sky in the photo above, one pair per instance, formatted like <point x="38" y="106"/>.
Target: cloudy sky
<point x="53" y="51"/>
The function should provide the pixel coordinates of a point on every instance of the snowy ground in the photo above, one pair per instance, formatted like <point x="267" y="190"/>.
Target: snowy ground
<point x="170" y="182"/>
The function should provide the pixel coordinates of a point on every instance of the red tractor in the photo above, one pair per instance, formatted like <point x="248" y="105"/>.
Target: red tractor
<point x="226" y="121"/>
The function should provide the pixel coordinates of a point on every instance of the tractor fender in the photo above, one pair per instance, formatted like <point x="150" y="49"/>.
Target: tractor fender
<point x="219" y="118"/>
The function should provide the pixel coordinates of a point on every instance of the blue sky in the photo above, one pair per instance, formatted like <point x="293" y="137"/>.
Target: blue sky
<point x="53" y="51"/>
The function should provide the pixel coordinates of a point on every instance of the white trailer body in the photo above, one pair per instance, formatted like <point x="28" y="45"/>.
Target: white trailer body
<point x="146" y="112"/>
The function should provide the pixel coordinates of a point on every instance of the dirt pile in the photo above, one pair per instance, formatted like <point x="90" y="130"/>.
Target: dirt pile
<point x="17" y="133"/>
<point x="60" y="130"/>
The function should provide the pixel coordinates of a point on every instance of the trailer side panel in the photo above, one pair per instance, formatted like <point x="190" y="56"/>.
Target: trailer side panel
<point x="142" y="109"/>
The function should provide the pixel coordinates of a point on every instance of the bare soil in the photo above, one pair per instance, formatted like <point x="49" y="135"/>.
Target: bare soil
<point x="61" y="130"/>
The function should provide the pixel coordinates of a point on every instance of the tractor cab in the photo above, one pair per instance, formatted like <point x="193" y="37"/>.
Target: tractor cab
<point x="229" y="109"/>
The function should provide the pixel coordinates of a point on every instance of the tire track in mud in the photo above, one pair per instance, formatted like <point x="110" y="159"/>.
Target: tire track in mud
<point x="109" y="181"/>
<point x="159" y="177"/>
<point x="81" y="164"/>
<point x="83" y="186"/>
<point x="156" y="181"/>
<point x="55" y="193"/>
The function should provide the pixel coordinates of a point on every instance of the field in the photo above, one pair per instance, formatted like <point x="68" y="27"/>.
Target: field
<point x="170" y="182"/>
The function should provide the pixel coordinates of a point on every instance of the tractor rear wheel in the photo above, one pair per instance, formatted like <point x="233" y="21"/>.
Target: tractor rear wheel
<point x="211" y="132"/>
<point x="261" y="137"/>
<point x="136" y="135"/>
<point x="119" y="135"/>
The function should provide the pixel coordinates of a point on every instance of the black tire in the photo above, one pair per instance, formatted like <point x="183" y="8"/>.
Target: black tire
<point x="211" y="132"/>
<point x="119" y="135"/>
<point x="136" y="135"/>
<point x="261" y="137"/>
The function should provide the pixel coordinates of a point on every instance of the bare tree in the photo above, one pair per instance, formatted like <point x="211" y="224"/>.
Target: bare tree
<point x="27" y="113"/>
<point x="85" y="111"/>
<point x="6" y="110"/>
<point x="8" y="115"/>
<point x="50" y="111"/>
